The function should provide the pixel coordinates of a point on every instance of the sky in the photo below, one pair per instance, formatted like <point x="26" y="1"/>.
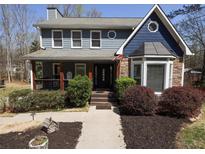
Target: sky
<point x="114" y="10"/>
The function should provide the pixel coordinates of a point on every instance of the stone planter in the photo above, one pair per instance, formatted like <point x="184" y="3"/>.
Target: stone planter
<point x="39" y="142"/>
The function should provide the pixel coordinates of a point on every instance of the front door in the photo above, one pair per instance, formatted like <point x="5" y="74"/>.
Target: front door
<point x="103" y="75"/>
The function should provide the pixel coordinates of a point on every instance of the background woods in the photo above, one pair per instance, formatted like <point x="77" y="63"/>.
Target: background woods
<point x="192" y="27"/>
<point x="18" y="36"/>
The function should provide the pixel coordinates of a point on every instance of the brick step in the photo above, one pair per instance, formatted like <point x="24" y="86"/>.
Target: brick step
<point x="102" y="99"/>
<point x="103" y="95"/>
<point x="100" y="103"/>
<point x="103" y="107"/>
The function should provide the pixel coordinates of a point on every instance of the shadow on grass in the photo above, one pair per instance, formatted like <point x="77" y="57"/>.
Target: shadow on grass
<point x="150" y="132"/>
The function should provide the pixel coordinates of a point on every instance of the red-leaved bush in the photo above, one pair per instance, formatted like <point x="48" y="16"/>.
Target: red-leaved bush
<point x="181" y="102"/>
<point x="138" y="100"/>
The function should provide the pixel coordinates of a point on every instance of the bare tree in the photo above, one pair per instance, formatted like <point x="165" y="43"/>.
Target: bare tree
<point x="192" y="27"/>
<point x="7" y="27"/>
<point x="93" y="13"/>
<point x="23" y="19"/>
<point x="67" y="10"/>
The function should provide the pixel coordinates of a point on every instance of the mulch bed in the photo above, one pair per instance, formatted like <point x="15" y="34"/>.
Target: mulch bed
<point x="150" y="132"/>
<point x="65" y="138"/>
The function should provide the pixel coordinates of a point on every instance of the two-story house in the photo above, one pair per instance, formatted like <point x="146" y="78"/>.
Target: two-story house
<point x="147" y="49"/>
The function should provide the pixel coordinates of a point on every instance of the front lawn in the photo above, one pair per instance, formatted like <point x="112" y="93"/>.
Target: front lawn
<point x="193" y="135"/>
<point x="65" y="138"/>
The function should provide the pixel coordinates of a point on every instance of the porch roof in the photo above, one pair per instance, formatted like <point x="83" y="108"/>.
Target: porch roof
<point x="71" y="54"/>
<point x="152" y="48"/>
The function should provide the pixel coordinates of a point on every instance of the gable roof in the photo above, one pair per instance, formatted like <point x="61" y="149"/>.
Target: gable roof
<point x="87" y="23"/>
<point x="152" y="48"/>
<point x="167" y="24"/>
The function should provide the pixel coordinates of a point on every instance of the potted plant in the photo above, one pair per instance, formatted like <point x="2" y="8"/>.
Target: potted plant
<point x="39" y="142"/>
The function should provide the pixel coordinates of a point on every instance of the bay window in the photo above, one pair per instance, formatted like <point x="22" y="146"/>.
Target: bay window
<point x="155" y="73"/>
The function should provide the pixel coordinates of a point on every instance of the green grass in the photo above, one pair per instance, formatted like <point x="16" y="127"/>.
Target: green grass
<point x="192" y="136"/>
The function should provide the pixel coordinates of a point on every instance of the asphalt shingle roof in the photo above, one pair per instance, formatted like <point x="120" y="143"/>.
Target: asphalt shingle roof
<point x="71" y="54"/>
<point x="90" y="23"/>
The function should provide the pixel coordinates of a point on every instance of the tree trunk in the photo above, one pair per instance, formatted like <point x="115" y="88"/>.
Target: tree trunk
<point x="203" y="71"/>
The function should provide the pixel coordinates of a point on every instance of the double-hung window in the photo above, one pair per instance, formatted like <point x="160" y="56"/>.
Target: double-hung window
<point x="57" y="36"/>
<point x="95" y="39"/>
<point x="76" y="41"/>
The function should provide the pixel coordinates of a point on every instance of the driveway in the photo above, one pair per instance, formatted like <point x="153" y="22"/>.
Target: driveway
<point x="101" y="128"/>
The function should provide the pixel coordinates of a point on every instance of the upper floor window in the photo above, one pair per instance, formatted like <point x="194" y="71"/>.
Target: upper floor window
<point x="95" y="39"/>
<point x="57" y="36"/>
<point x="76" y="41"/>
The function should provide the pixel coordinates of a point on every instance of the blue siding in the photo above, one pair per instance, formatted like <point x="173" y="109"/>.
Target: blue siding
<point x="107" y="43"/>
<point x="144" y="35"/>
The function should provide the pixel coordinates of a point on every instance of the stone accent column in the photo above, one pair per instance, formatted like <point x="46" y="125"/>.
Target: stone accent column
<point x="124" y="67"/>
<point x="177" y="72"/>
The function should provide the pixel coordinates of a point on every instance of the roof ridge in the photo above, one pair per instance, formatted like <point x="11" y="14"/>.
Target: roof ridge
<point x="104" y="17"/>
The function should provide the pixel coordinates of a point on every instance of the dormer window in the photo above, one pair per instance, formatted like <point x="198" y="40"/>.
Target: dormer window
<point x="95" y="39"/>
<point x="57" y="36"/>
<point x="76" y="39"/>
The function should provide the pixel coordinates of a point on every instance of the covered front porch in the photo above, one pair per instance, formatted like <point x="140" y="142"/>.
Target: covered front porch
<point x="55" y="74"/>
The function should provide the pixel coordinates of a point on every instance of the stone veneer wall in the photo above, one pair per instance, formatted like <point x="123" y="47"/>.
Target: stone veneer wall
<point x="177" y="72"/>
<point x="124" y="67"/>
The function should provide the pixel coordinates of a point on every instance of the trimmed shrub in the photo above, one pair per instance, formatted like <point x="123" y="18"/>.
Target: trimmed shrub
<point x="35" y="101"/>
<point x="181" y="102"/>
<point x="138" y="100"/>
<point x="17" y="100"/>
<point x="122" y="84"/>
<point x="42" y="100"/>
<point x="79" y="91"/>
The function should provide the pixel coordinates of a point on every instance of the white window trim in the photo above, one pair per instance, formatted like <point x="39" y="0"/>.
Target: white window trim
<point x="53" y="73"/>
<point x="58" y="47"/>
<point x="76" y="64"/>
<point x="154" y="22"/>
<point x="113" y="31"/>
<point x="80" y="38"/>
<point x="96" y="39"/>
<point x="167" y="76"/>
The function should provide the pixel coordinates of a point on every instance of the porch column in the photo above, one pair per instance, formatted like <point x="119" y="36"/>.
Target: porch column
<point x="118" y="69"/>
<point x="33" y="75"/>
<point x="61" y="77"/>
<point x="90" y="73"/>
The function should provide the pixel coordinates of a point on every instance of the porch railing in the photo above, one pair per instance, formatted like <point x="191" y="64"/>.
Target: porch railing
<point x="50" y="84"/>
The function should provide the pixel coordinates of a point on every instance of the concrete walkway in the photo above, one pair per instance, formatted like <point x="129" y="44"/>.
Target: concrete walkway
<point x="101" y="128"/>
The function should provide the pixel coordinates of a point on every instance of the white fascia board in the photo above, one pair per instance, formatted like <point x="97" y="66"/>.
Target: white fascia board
<point x="160" y="13"/>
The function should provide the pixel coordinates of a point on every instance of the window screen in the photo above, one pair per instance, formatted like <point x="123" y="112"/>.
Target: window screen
<point x="137" y="73"/>
<point x="76" y="38"/>
<point x="155" y="77"/>
<point x="80" y="69"/>
<point x="57" y="39"/>
<point x="95" y="42"/>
